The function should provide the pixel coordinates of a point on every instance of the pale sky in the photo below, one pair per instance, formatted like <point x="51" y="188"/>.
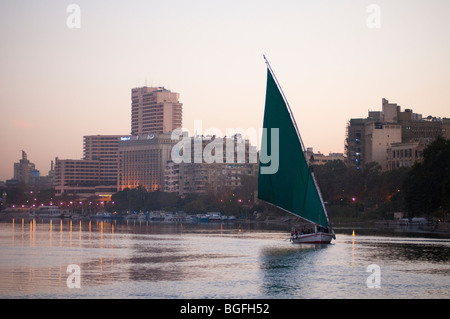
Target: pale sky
<point x="58" y="84"/>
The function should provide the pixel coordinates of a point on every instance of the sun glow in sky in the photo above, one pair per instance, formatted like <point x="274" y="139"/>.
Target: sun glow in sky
<point x="59" y="84"/>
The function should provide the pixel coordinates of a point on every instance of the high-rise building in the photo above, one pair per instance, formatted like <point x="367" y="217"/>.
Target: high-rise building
<point x="23" y="169"/>
<point x="142" y="160"/>
<point x="114" y="162"/>
<point x="155" y="110"/>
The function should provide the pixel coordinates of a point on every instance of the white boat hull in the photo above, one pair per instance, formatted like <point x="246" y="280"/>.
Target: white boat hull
<point x="315" y="238"/>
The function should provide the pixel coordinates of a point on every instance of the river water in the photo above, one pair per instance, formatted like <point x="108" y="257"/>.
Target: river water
<point x="95" y="259"/>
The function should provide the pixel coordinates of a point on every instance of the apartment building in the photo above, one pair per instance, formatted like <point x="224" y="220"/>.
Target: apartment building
<point x="233" y="157"/>
<point x="389" y="132"/>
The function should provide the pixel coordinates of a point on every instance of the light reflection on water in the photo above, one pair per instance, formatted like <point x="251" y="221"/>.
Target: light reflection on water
<point x="142" y="260"/>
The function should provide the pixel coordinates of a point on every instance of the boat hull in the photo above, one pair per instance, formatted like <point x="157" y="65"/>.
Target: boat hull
<point x="315" y="238"/>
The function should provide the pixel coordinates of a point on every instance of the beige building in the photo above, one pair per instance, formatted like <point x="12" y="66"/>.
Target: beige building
<point x="389" y="111"/>
<point x="155" y="110"/>
<point x="405" y="154"/>
<point x="379" y="137"/>
<point x="104" y="148"/>
<point x="142" y="161"/>
<point x="322" y="159"/>
<point x="370" y="139"/>
<point x="95" y="174"/>
<point x="76" y="177"/>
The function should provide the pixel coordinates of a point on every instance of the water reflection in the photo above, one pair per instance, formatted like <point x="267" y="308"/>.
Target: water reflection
<point x="34" y="260"/>
<point x="286" y="271"/>
<point x="183" y="260"/>
<point x="413" y="251"/>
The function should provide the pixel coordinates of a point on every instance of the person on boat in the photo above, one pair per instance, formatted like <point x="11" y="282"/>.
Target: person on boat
<point x="292" y="234"/>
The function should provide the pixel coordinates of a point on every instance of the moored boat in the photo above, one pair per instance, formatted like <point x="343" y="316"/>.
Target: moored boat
<point x="203" y="218"/>
<point x="47" y="212"/>
<point x="215" y="217"/>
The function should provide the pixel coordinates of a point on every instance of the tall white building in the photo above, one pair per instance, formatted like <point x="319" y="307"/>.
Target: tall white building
<point x="155" y="110"/>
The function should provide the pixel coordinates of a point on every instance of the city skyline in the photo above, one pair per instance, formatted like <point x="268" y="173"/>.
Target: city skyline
<point x="60" y="84"/>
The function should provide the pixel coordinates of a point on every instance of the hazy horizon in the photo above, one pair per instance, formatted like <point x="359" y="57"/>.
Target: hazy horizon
<point x="59" y="84"/>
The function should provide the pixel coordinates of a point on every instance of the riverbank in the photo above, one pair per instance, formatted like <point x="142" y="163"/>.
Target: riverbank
<point x="440" y="230"/>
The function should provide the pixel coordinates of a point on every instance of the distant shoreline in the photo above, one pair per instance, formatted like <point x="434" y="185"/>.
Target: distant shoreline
<point x="440" y="230"/>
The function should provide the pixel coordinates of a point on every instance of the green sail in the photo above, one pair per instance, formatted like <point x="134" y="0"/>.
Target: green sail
<point x="292" y="186"/>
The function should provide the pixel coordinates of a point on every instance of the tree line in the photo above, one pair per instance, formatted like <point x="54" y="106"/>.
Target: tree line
<point x="422" y="190"/>
<point x="238" y="201"/>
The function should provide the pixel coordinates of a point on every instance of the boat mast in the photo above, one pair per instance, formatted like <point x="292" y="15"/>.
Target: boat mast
<point x="301" y="142"/>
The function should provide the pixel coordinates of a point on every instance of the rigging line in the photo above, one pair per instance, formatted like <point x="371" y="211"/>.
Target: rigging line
<point x="287" y="211"/>
<point x="321" y="200"/>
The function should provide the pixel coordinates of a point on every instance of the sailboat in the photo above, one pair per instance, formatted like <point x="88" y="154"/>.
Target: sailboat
<point x="286" y="179"/>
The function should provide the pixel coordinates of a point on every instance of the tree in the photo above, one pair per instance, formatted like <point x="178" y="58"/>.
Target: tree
<point x="427" y="186"/>
<point x="365" y="190"/>
<point x="160" y="200"/>
<point x="333" y="181"/>
<point x="195" y="206"/>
